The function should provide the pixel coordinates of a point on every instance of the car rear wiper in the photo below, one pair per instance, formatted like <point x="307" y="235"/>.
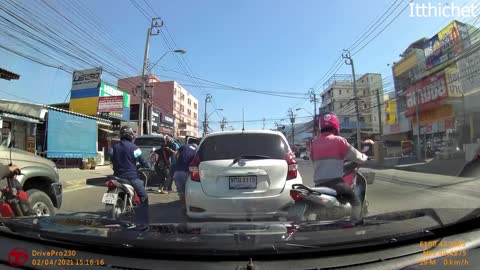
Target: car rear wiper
<point x="250" y="157"/>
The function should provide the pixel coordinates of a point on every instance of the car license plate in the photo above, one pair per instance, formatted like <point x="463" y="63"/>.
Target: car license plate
<point x="243" y="182"/>
<point x="109" y="198"/>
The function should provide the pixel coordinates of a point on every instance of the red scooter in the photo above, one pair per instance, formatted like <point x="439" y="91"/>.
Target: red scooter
<point x="13" y="200"/>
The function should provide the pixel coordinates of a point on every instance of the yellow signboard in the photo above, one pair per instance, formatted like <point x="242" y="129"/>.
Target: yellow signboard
<point x="454" y="86"/>
<point x="406" y="64"/>
<point x="391" y="111"/>
<point x="86" y="106"/>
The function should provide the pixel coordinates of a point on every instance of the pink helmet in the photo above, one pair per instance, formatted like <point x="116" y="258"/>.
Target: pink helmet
<point x="330" y="120"/>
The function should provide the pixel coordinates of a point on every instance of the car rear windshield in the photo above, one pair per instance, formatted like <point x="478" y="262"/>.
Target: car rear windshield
<point x="231" y="146"/>
<point x="147" y="142"/>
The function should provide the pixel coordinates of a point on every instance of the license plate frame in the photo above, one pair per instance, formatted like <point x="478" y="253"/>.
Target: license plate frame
<point x="110" y="198"/>
<point x="238" y="180"/>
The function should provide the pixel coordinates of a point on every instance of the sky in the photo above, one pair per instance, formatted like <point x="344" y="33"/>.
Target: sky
<point x="270" y="45"/>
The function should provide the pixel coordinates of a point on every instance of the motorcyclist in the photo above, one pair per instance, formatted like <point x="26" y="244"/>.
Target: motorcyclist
<point x="328" y="153"/>
<point x="125" y="155"/>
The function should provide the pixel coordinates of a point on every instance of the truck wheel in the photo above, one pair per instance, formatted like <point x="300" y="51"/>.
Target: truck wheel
<point x="40" y="203"/>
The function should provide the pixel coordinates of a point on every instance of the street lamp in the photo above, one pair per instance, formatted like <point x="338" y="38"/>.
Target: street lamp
<point x="167" y="52"/>
<point x="150" y="113"/>
<point x="213" y="112"/>
<point x="298" y="109"/>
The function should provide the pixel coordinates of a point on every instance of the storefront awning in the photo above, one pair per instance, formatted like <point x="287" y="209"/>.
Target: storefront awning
<point x="21" y="118"/>
<point x="106" y="130"/>
<point x="30" y="110"/>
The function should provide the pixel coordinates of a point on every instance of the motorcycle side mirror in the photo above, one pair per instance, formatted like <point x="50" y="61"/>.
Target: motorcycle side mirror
<point x="365" y="149"/>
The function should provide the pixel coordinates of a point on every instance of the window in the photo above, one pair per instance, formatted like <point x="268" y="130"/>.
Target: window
<point x="340" y="92"/>
<point x="189" y="122"/>
<point x="221" y="147"/>
<point x="341" y="105"/>
<point x="189" y="112"/>
<point x="189" y="102"/>
<point x="195" y="115"/>
<point x="182" y="108"/>
<point x="195" y="105"/>
<point x="361" y="119"/>
<point x="364" y="92"/>
<point x="182" y="96"/>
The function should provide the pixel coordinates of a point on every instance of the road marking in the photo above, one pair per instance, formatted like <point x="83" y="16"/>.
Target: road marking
<point x="79" y="188"/>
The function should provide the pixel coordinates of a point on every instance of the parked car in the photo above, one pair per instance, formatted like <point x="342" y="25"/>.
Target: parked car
<point x="39" y="179"/>
<point x="241" y="175"/>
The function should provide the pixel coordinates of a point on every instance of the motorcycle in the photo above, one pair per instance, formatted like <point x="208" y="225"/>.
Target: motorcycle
<point x="121" y="199"/>
<point x="13" y="200"/>
<point x="322" y="204"/>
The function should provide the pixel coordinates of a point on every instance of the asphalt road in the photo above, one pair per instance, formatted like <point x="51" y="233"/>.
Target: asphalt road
<point x="393" y="190"/>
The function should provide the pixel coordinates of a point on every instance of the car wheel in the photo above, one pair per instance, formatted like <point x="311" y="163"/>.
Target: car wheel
<point x="40" y="203"/>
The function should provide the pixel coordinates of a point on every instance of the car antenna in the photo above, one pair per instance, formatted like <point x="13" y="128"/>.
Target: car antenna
<point x="243" y="120"/>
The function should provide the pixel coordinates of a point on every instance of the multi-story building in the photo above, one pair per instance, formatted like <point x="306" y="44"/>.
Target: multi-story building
<point x="177" y="108"/>
<point x="338" y="97"/>
<point x="428" y="83"/>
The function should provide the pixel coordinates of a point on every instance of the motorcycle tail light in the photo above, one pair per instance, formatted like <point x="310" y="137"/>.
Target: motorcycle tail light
<point x="136" y="199"/>
<point x="111" y="184"/>
<point x="22" y="195"/>
<point x="6" y="210"/>
<point x="296" y="195"/>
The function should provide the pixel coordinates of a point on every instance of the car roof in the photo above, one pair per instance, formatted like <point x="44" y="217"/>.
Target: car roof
<point x="233" y="132"/>
<point x="150" y="137"/>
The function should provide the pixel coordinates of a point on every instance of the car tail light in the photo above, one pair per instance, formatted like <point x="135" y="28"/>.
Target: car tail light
<point x="111" y="184"/>
<point x="292" y="166"/>
<point x="194" y="169"/>
<point x="296" y="195"/>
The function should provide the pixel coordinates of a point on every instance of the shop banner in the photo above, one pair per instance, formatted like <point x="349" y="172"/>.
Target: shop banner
<point x="110" y="104"/>
<point x="445" y="45"/>
<point x="123" y="115"/>
<point x="430" y="90"/>
<point x="86" y="79"/>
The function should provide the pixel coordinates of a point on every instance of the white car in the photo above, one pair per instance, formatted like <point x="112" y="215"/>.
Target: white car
<point x="241" y="175"/>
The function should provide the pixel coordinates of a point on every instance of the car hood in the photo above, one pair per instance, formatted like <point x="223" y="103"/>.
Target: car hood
<point x="24" y="157"/>
<point x="237" y="238"/>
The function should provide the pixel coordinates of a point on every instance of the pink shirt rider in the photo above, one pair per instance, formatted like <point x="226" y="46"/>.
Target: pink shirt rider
<point x="328" y="153"/>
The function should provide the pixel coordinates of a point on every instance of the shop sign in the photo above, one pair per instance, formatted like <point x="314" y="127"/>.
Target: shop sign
<point x="470" y="69"/>
<point x="167" y="119"/>
<point x="124" y="115"/>
<point x="86" y="79"/>
<point x="445" y="45"/>
<point x="443" y="112"/>
<point x="107" y="90"/>
<point x="110" y="104"/>
<point x="430" y="90"/>
<point x="454" y="85"/>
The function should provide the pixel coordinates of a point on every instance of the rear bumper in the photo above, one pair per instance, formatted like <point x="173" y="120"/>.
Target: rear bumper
<point x="201" y="206"/>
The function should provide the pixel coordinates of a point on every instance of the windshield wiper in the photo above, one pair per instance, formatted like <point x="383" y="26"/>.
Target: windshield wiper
<point x="249" y="157"/>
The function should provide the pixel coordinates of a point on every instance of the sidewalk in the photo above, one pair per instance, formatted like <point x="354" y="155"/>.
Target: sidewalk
<point x="449" y="167"/>
<point x="74" y="178"/>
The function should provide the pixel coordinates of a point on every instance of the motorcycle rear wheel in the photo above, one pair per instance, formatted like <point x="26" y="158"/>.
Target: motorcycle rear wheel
<point x="115" y="211"/>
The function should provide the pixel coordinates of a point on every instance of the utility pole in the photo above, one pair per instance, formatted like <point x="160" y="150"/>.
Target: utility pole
<point x="223" y="123"/>
<point x="349" y="61"/>
<point x="154" y="25"/>
<point x="264" y="122"/>
<point x="208" y="99"/>
<point x="380" y="124"/>
<point x="292" y="120"/>
<point x="313" y="98"/>
<point x="417" y="96"/>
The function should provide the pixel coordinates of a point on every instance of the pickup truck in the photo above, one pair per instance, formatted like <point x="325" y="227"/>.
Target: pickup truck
<point x="39" y="178"/>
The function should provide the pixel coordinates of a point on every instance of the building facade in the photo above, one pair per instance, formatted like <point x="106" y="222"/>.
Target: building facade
<point x="175" y="107"/>
<point x="338" y="97"/>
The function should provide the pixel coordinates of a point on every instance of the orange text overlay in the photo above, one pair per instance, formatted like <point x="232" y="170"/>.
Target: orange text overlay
<point x="57" y="258"/>
<point x="444" y="253"/>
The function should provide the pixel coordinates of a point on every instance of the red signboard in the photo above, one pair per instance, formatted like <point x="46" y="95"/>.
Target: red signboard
<point x="431" y="91"/>
<point x="110" y="104"/>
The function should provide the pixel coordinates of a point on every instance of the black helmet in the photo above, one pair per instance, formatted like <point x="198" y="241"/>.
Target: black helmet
<point x="126" y="133"/>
